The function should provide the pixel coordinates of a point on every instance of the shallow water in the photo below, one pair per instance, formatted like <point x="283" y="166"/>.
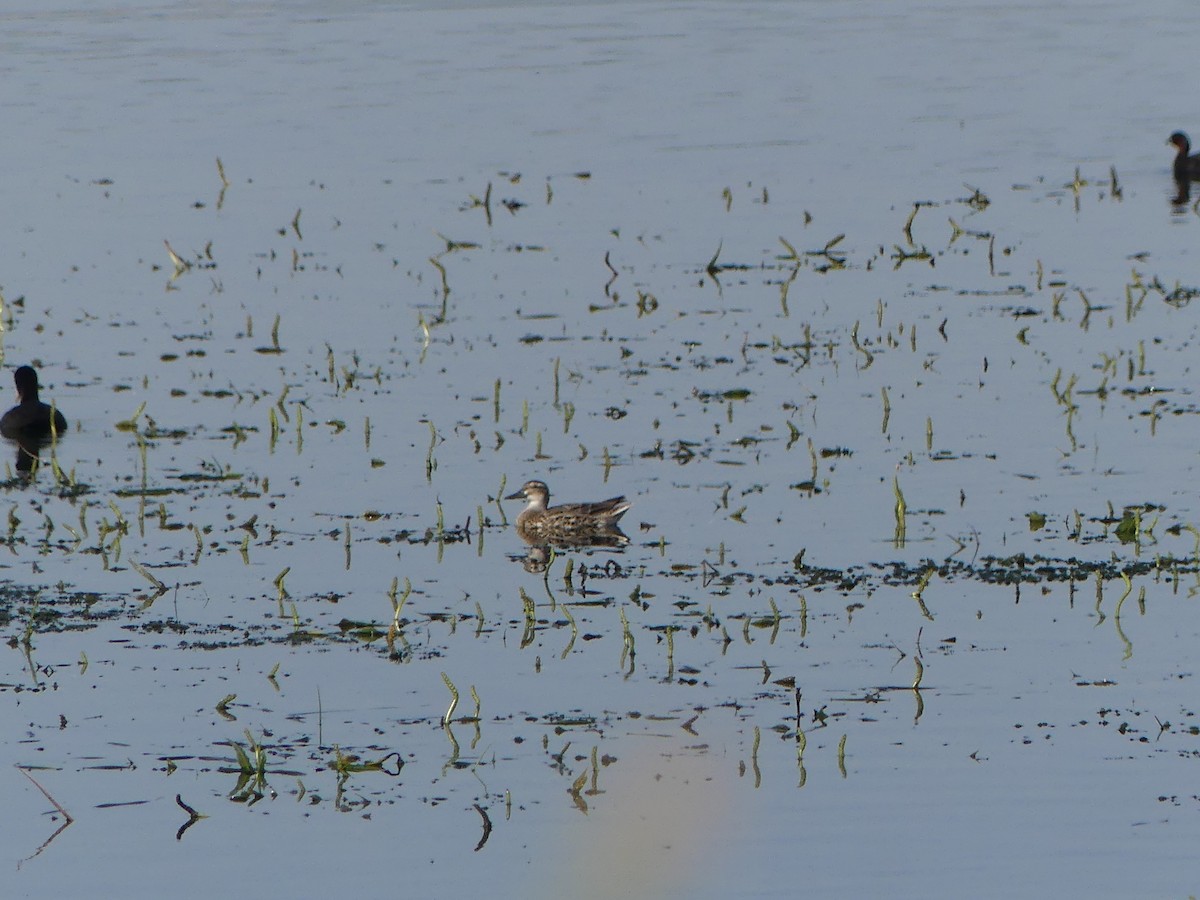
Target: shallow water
<point x="1023" y="351"/>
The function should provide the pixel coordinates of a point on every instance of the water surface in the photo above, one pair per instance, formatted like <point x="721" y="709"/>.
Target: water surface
<point x="691" y="283"/>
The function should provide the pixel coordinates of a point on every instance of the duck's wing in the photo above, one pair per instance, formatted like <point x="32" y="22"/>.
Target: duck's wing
<point x="611" y="509"/>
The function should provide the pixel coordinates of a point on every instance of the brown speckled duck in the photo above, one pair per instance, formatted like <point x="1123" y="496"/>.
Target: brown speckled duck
<point x="568" y="523"/>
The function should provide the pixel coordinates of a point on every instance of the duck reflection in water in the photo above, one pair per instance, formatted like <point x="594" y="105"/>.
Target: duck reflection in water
<point x="570" y="525"/>
<point x="32" y="424"/>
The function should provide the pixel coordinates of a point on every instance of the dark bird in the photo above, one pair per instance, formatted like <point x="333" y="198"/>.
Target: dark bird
<point x="30" y="417"/>
<point x="1187" y="168"/>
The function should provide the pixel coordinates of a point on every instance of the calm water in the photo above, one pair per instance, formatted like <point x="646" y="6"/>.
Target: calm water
<point x="314" y="402"/>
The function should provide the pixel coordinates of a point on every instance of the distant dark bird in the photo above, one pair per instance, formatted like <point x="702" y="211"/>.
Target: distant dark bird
<point x="1187" y="168"/>
<point x="570" y="522"/>
<point x="30" y="417"/>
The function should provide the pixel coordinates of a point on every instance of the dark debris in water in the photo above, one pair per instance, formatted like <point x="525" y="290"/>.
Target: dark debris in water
<point x="40" y="610"/>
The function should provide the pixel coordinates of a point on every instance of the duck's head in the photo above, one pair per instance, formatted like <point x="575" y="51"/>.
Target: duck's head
<point x="535" y="493"/>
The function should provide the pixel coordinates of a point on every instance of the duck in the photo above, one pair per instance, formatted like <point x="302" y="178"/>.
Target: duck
<point x="570" y="522"/>
<point x="30" y="417"/>
<point x="1187" y="167"/>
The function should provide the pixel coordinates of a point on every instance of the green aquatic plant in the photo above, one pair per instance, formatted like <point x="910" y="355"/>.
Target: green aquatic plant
<point x="646" y="303"/>
<point x="159" y="587"/>
<point x="574" y="631"/>
<point x="978" y="201"/>
<point x="712" y="269"/>
<point x="628" y="651"/>
<point x="275" y="347"/>
<point x="278" y="583"/>
<point x="193" y="815"/>
<point x="222" y="707"/>
<point x="484" y="203"/>
<point x="793" y="433"/>
<point x="792" y="256"/>
<point x="919" y="593"/>
<point x="754" y="757"/>
<point x="868" y="356"/>
<point x="827" y="252"/>
<point x="449" y="714"/>
<point x="909" y="224"/>
<point x="131" y="424"/>
<point x="1129" y="527"/>
<point x="613" y="275"/>
<point x="801" y="746"/>
<point x="430" y="461"/>
<point x="530" y="612"/>
<point x="901" y="256"/>
<point x="179" y="263"/>
<point x="433" y="260"/>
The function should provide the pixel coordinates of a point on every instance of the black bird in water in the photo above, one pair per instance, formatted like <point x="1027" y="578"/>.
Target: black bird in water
<point x="1187" y="168"/>
<point x="30" y="417"/>
<point x="31" y="423"/>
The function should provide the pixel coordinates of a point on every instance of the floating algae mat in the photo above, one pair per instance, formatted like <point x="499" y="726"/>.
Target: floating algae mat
<point x="899" y="386"/>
